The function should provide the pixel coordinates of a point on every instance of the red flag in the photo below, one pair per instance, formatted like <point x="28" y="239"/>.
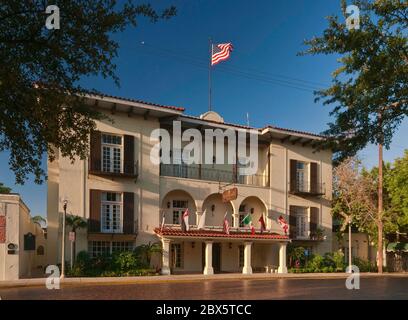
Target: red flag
<point x="262" y="222"/>
<point x="283" y="224"/>
<point x="252" y="229"/>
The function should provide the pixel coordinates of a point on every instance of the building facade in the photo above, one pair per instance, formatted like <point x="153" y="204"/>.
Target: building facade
<point x="129" y="200"/>
<point x="22" y="242"/>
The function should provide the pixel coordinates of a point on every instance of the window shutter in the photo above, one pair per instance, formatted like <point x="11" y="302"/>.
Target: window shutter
<point x="313" y="177"/>
<point x="314" y="219"/>
<point x="95" y="151"/>
<point x="293" y="167"/>
<point x="95" y="211"/>
<point x="292" y="222"/>
<point x="128" y="212"/>
<point x="129" y="155"/>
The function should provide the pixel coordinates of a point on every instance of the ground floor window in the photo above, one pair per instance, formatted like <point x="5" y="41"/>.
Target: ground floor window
<point x="100" y="248"/>
<point x="176" y="255"/>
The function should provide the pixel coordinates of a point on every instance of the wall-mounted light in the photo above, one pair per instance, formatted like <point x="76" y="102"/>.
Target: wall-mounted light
<point x="168" y="205"/>
<point x="230" y="245"/>
<point x="193" y="244"/>
<point x="252" y="210"/>
<point x="213" y="207"/>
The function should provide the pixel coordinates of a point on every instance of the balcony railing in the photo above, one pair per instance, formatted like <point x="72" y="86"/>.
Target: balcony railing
<point x="306" y="188"/>
<point x="210" y="174"/>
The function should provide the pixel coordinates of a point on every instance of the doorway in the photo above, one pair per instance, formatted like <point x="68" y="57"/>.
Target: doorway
<point x="216" y="257"/>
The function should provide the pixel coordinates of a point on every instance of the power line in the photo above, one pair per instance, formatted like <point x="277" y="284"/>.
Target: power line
<point x="258" y="76"/>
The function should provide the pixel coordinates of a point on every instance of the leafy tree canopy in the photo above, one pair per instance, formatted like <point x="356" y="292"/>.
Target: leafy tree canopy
<point x="372" y="78"/>
<point x="40" y="98"/>
<point x="4" y="189"/>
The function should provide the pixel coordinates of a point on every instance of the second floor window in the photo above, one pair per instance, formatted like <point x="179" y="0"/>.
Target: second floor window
<point x="111" y="218"/>
<point x="112" y="153"/>
<point x="301" y="174"/>
<point x="301" y="222"/>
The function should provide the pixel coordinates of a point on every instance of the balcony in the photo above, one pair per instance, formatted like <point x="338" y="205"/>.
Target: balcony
<point x="307" y="188"/>
<point x="129" y="171"/>
<point x="210" y="174"/>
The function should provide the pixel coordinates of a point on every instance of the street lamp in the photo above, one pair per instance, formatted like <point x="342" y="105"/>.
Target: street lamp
<point x="65" y="203"/>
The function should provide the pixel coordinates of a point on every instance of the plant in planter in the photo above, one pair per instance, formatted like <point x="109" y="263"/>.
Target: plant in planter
<point x="317" y="235"/>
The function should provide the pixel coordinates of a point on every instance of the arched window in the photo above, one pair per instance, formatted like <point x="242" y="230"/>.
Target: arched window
<point x="40" y="251"/>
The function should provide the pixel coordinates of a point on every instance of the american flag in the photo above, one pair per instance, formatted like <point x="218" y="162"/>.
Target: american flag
<point x="220" y="52"/>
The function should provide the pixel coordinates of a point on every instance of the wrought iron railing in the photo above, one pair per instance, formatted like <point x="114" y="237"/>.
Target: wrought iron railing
<point x="306" y="187"/>
<point x="211" y="174"/>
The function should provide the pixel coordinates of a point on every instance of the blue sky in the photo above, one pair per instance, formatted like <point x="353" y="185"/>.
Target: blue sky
<point x="170" y="68"/>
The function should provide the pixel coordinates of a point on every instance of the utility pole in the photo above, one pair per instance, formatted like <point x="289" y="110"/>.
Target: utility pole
<point x="65" y="202"/>
<point x="380" y="199"/>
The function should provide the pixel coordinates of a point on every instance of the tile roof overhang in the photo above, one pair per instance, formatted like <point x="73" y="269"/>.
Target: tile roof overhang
<point x="211" y="234"/>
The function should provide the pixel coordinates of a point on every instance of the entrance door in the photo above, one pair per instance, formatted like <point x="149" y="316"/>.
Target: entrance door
<point x="216" y="257"/>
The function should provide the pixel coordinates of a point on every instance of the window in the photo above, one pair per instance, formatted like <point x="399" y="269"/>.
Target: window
<point x="111" y="219"/>
<point x="120" y="246"/>
<point x="179" y="206"/>
<point x="301" y="174"/>
<point x="176" y="255"/>
<point x="242" y="214"/>
<point x="301" y="222"/>
<point x="104" y="248"/>
<point x="112" y="153"/>
<point x="241" y="256"/>
<point x="40" y="251"/>
<point x="99" y="248"/>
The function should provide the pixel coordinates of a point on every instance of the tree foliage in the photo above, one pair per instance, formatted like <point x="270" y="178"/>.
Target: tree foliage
<point x="41" y="100"/>
<point x="4" y="189"/>
<point x="372" y="78"/>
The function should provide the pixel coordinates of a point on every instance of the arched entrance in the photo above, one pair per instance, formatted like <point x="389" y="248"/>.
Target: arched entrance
<point x="174" y="205"/>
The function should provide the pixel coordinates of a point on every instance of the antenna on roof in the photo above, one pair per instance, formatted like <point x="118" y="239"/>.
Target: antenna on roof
<point x="247" y="119"/>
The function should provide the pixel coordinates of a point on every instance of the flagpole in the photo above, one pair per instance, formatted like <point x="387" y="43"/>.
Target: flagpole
<point x="209" y="74"/>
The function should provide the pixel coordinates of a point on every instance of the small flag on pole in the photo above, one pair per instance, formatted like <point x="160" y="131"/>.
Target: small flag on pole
<point x="283" y="224"/>
<point x="163" y="219"/>
<point x="262" y="222"/>
<point x="252" y="228"/>
<point x="220" y="52"/>
<point x="185" y="220"/>
<point x="247" y="219"/>
<point x="226" y="224"/>
<point x="201" y="224"/>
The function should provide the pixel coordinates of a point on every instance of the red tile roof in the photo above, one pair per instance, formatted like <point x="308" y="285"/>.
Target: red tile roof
<point x="219" y="234"/>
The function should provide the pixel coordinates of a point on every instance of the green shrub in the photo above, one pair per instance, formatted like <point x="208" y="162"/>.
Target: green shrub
<point x="316" y="263"/>
<point x="338" y="258"/>
<point x="364" y="265"/>
<point x="124" y="261"/>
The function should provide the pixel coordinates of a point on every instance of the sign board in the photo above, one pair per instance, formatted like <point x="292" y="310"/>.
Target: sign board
<point x="230" y="194"/>
<point x="29" y="242"/>
<point x="71" y="236"/>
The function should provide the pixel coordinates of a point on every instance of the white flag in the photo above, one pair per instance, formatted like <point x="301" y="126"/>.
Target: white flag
<point x="185" y="219"/>
<point x="201" y="224"/>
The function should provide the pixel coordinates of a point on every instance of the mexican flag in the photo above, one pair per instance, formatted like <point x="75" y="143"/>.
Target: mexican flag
<point x="247" y="219"/>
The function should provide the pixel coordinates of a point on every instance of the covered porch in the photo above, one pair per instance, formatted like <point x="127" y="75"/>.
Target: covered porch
<point x="214" y="251"/>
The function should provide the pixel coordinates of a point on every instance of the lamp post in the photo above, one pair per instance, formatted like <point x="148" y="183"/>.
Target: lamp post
<point x="65" y="203"/>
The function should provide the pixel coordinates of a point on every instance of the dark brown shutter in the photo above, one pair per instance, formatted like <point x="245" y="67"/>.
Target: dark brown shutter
<point x="128" y="212"/>
<point x="129" y="155"/>
<point x="95" y="211"/>
<point x="314" y="219"/>
<point x="293" y="168"/>
<point x="313" y="178"/>
<point x="95" y="151"/>
<point x="292" y="222"/>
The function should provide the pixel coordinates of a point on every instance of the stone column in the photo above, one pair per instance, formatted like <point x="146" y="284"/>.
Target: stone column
<point x="199" y="214"/>
<point x="282" y="258"/>
<point x="247" y="269"/>
<point x="235" y="222"/>
<point x="208" y="268"/>
<point x="165" y="256"/>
